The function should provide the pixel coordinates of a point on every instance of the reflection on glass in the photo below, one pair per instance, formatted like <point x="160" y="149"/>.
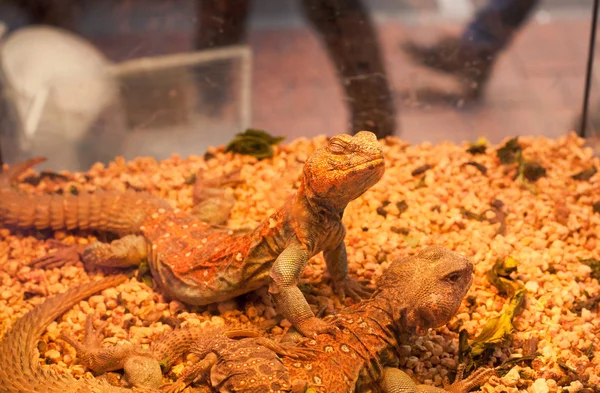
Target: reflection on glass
<point x="157" y="77"/>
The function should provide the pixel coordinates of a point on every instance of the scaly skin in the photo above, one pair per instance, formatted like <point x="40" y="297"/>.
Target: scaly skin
<point x="232" y="358"/>
<point x="416" y="293"/>
<point x="21" y="372"/>
<point x="198" y="264"/>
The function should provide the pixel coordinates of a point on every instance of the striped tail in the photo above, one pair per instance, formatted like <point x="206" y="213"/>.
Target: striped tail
<point x="20" y="370"/>
<point x="107" y="211"/>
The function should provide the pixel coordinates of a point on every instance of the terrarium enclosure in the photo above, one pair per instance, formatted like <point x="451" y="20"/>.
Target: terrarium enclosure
<point x="306" y="196"/>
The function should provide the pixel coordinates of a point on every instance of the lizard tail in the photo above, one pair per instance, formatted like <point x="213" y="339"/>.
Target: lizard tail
<point x="108" y="211"/>
<point x="20" y="370"/>
<point x="10" y="175"/>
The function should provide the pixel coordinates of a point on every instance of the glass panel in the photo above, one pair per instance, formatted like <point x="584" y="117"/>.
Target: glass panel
<point x="161" y="77"/>
<point x="592" y="120"/>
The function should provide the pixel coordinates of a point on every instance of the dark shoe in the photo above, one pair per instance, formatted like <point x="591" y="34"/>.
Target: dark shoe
<point x="470" y="63"/>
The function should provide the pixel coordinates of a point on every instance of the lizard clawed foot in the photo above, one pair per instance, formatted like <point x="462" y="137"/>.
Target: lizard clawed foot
<point x="141" y="369"/>
<point x="301" y="353"/>
<point x="357" y="290"/>
<point x="461" y="385"/>
<point x="315" y="326"/>
<point x="92" y="343"/>
<point x="291" y="349"/>
<point x="66" y="255"/>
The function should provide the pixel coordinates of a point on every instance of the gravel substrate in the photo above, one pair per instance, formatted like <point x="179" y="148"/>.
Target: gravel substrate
<point x="548" y="229"/>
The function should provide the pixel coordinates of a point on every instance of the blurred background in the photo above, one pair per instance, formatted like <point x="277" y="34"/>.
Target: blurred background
<point x="86" y="80"/>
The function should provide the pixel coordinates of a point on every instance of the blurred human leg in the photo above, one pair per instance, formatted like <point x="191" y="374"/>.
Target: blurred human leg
<point x="471" y="56"/>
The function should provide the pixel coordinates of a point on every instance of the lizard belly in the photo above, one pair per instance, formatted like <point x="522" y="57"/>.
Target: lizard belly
<point x="193" y="291"/>
<point x="207" y="267"/>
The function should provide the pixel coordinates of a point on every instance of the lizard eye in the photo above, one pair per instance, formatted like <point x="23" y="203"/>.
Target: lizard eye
<point x="452" y="277"/>
<point x="336" y="147"/>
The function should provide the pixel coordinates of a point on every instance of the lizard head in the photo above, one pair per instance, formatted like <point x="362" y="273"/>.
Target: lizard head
<point x="344" y="169"/>
<point x="428" y="287"/>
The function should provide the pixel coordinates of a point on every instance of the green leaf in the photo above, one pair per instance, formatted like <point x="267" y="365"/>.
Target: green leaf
<point x="499" y="276"/>
<point x="255" y="143"/>
<point x="478" y="147"/>
<point x="147" y="279"/>
<point x="250" y="146"/>
<point x="144" y="275"/>
<point x="497" y="330"/>
<point x="272" y="140"/>
<point x="144" y="268"/>
<point x="510" y="152"/>
<point x="533" y="171"/>
<point x="521" y="174"/>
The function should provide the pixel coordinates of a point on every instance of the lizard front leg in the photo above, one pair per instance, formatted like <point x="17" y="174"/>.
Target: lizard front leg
<point x="337" y="265"/>
<point x="397" y="381"/>
<point x="127" y="251"/>
<point x="291" y="302"/>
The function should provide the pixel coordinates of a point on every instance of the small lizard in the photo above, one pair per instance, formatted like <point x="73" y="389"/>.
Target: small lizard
<point x="415" y="294"/>
<point x="21" y="372"/>
<point x="198" y="264"/>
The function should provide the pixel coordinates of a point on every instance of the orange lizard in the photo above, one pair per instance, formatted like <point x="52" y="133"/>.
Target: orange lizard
<point x="414" y="294"/>
<point x="199" y="264"/>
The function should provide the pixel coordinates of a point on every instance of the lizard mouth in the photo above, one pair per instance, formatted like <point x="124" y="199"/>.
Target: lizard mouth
<point x="468" y="284"/>
<point x="371" y="164"/>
